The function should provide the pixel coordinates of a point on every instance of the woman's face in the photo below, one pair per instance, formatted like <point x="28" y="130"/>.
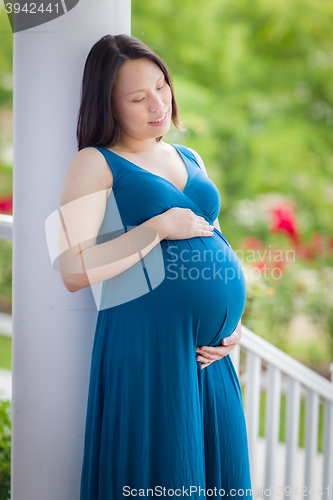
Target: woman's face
<point x="141" y="96"/>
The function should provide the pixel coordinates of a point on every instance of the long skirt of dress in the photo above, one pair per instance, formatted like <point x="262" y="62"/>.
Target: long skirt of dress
<point x="157" y="424"/>
<point x="155" y="419"/>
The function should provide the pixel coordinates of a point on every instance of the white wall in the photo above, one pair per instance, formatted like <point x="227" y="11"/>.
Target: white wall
<point x="52" y="329"/>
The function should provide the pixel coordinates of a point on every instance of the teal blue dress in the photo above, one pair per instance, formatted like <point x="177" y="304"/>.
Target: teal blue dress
<point x="157" y="424"/>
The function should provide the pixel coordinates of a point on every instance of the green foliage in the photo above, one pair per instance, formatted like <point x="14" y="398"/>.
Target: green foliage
<point x="5" y="270"/>
<point x="5" y="449"/>
<point x="271" y="305"/>
<point x="6" y="58"/>
<point x="254" y="85"/>
<point x="5" y="352"/>
<point x="253" y="82"/>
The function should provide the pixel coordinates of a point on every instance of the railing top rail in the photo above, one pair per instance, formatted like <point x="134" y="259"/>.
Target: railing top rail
<point x="287" y="364"/>
<point x="6" y="226"/>
<point x="6" y="219"/>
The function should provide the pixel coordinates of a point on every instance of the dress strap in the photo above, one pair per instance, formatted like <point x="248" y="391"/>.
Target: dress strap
<point x="188" y="153"/>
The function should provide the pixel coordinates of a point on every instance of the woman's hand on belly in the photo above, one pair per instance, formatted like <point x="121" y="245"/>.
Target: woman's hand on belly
<point x="208" y="354"/>
<point x="183" y="223"/>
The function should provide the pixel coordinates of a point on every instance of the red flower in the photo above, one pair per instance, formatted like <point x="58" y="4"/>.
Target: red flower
<point x="284" y="221"/>
<point x="304" y="251"/>
<point x="316" y="248"/>
<point x="280" y="264"/>
<point x="252" y="243"/>
<point x="259" y="265"/>
<point x="6" y="204"/>
<point x="330" y="245"/>
<point x="317" y="244"/>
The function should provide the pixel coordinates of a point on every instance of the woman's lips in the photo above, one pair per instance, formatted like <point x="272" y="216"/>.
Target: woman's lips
<point x="161" y="122"/>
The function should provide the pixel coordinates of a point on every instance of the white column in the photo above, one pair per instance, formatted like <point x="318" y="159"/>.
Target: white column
<point x="53" y="329"/>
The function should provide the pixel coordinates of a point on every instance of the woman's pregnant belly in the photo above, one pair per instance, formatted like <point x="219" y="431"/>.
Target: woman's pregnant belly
<point x="204" y="279"/>
<point x="197" y="294"/>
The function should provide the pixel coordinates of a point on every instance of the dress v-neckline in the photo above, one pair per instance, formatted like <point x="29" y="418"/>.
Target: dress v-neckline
<point x="156" y="175"/>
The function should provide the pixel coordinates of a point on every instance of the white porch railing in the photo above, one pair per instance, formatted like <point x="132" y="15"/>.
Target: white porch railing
<point x="6" y="227"/>
<point x="300" y="381"/>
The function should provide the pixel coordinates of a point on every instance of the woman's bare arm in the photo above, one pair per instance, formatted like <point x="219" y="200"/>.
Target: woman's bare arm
<point x="83" y="204"/>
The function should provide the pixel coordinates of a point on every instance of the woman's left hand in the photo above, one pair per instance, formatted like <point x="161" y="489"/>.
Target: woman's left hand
<point x="208" y="355"/>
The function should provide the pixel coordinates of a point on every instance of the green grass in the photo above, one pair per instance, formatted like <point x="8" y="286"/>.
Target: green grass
<point x="5" y="352"/>
<point x="301" y="442"/>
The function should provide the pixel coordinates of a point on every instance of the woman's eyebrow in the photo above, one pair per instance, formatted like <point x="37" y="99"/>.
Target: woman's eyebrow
<point x="141" y="90"/>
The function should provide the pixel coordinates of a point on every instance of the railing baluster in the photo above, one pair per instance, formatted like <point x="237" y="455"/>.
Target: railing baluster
<point x="311" y="439"/>
<point x="292" y="436"/>
<point x="272" y="424"/>
<point x="328" y="451"/>
<point x="252" y="407"/>
<point x="235" y="355"/>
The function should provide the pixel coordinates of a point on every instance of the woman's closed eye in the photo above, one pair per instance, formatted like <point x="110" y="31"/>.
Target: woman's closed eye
<point x="143" y="97"/>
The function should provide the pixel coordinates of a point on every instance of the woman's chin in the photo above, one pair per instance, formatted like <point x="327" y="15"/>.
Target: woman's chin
<point x="162" y="130"/>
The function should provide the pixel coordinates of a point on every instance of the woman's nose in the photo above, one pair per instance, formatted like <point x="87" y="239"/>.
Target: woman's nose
<point x="155" y="103"/>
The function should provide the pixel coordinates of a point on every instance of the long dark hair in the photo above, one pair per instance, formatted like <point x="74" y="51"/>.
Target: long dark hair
<point x="97" y="125"/>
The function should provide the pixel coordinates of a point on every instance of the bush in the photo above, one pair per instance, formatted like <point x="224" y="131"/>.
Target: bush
<point x="5" y="449"/>
<point x="5" y="275"/>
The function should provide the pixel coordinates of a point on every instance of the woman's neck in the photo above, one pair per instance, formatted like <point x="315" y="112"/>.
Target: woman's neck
<point x="137" y="146"/>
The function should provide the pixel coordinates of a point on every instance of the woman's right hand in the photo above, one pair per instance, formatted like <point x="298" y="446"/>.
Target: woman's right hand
<point x="182" y="223"/>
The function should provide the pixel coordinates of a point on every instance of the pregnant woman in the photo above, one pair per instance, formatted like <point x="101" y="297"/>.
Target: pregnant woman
<point x="164" y="417"/>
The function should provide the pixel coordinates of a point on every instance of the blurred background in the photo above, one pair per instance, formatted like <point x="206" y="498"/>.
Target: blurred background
<point x="254" y="86"/>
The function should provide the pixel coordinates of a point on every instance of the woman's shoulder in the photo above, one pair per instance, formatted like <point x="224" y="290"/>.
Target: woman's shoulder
<point x="88" y="172"/>
<point x="87" y="158"/>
